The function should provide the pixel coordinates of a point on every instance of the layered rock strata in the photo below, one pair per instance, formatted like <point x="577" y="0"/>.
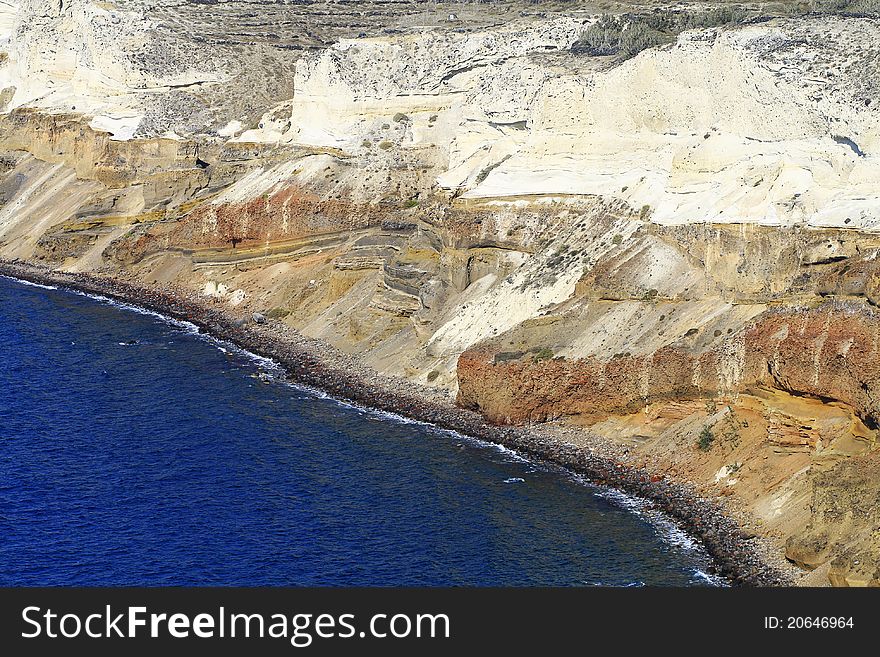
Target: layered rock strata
<point x="677" y="250"/>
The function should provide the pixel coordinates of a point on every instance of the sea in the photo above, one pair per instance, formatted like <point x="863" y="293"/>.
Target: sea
<point x="136" y="451"/>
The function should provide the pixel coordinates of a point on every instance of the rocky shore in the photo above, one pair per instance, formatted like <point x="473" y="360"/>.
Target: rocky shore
<point x="739" y="555"/>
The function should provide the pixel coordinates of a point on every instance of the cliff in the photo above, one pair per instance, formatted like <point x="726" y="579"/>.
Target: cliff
<point x="674" y="251"/>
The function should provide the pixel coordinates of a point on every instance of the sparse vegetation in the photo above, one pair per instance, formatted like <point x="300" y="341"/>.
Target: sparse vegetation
<point x="730" y="429"/>
<point x="844" y="7"/>
<point x="278" y="313"/>
<point x="544" y="353"/>
<point x="385" y="145"/>
<point x="704" y="442"/>
<point x="507" y="356"/>
<point x="432" y="376"/>
<point x="411" y="203"/>
<point x="617" y="239"/>
<point x="627" y="35"/>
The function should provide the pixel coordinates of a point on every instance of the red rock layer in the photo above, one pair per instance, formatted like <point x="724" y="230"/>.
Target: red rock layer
<point x="286" y="214"/>
<point x="828" y="352"/>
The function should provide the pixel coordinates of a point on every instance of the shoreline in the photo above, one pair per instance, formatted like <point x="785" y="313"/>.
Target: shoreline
<point x="311" y="362"/>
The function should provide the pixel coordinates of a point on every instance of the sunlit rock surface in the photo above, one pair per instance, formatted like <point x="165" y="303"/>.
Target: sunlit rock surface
<point x="682" y="241"/>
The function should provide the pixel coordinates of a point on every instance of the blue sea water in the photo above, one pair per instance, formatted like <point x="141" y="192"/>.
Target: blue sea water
<point x="135" y="452"/>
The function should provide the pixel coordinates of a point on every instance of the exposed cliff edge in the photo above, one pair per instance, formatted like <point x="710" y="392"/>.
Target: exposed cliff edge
<point x="677" y="251"/>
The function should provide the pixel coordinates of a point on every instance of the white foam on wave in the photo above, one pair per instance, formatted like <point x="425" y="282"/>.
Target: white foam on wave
<point x="599" y="582"/>
<point x="269" y="365"/>
<point x="672" y="533"/>
<point x="397" y="418"/>
<point x="668" y="529"/>
<point x="708" y="578"/>
<point x="184" y="325"/>
<point x="28" y="283"/>
<point x="273" y="370"/>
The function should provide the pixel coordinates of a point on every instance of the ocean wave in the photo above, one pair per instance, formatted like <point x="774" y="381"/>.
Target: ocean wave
<point x="626" y="585"/>
<point x="269" y="365"/>
<point x="701" y="576"/>
<point x="29" y="283"/>
<point x="669" y="531"/>
<point x="187" y="327"/>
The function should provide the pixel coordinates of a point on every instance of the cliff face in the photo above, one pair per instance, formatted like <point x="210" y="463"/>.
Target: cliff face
<point x="829" y="352"/>
<point x="680" y="243"/>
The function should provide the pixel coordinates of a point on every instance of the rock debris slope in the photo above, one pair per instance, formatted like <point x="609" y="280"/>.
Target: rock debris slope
<point x="676" y="252"/>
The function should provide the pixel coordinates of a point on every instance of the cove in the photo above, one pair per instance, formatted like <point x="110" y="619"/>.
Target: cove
<point x="134" y="451"/>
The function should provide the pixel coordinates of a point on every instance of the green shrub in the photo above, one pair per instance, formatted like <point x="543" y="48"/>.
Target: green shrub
<point x="730" y="429"/>
<point x="411" y="203"/>
<point x="278" y="313"/>
<point x="544" y="353"/>
<point x="432" y="376"/>
<point x="638" y="37"/>
<point x="626" y="36"/>
<point x="400" y="117"/>
<point x="704" y="442"/>
<point x="600" y="38"/>
<point x="385" y="145"/>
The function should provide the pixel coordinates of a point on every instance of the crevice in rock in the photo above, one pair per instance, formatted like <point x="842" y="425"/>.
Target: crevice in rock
<point x="846" y="141"/>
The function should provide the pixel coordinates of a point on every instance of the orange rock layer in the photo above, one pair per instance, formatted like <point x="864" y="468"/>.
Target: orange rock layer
<point x="828" y="352"/>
